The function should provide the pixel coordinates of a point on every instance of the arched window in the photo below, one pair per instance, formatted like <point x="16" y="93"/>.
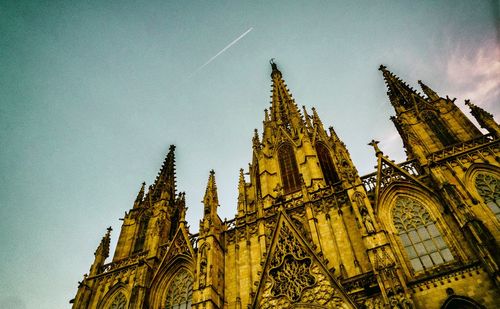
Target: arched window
<point x="325" y="161"/>
<point x="180" y="291"/>
<point x="141" y="234"/>
<point x="288" y="167"/>
<point x="420" y="237"/>
<point x="488" y="188"/>
<point x="258" y="189"/>
<point x="119" y="302"/>
<point x="439" y="128"/>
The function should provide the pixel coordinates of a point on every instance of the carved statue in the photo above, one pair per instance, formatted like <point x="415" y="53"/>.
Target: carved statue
<point x="367" y="221"/>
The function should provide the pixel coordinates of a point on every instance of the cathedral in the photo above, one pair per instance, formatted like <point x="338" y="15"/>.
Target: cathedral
<point x="310" y="232"/>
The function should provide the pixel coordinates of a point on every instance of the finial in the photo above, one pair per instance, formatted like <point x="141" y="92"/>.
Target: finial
<point x="273" y="65"/>
<point x="210" y="199"/>
<point x="382" y="67"/>
<point x="374" y="144"/>
<point x="171" y="148"/>
<point x="431" y="94"/>
<point x="109" y="229"/>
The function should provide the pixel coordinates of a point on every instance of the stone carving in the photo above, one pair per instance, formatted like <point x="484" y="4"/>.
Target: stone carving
<point x="180" y="291"/>
<point x="120" y="302"/>
<point x="367" y="221"/>
<point x="294" y="278"/>
<point x="203" y="266"/>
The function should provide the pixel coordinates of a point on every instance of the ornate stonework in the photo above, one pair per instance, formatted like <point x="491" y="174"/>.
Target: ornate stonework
<point x="309" y="232"/>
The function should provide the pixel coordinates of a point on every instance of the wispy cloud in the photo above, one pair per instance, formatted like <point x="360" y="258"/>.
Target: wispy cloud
<point x="221" y="51"/>
<point x="476" y="73"/>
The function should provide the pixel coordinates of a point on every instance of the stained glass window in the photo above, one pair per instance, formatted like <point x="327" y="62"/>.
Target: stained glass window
<point x="419" y="235"/>
<point x="288" y="167"/>
<point x="488" y="188"/>
<point x="180" y="291"/>
<point x="119" y="302"/>
<point x="326" y="164"/>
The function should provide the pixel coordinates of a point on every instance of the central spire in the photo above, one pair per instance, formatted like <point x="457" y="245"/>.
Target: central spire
<point x="284" y="111"/>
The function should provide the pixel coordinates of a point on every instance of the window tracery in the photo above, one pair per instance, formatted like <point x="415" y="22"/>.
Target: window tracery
<point x="488" y="187"/>
<point x="419" y="235"/>
<point x="289" y="169"/>
<point x="326" y="164"/>
<point x="180" y="291"/>
<point x="119" y="302"/>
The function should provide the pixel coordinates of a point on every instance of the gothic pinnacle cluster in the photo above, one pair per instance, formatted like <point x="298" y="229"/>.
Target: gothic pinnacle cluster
<point x="309" y="231"/>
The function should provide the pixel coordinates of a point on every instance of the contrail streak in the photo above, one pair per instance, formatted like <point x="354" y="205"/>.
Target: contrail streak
<point x="222" y="50"/>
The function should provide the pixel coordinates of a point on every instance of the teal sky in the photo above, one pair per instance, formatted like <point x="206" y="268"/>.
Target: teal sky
<point x="93" y="93"/>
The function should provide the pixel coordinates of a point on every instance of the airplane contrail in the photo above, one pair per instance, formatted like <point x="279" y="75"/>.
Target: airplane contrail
<point x="223" y="50"/>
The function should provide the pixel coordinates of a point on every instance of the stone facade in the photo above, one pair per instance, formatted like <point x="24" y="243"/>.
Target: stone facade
<point x="311" y="233"/>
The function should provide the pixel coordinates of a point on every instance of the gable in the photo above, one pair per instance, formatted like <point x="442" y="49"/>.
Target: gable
<point x="294" y="276"/>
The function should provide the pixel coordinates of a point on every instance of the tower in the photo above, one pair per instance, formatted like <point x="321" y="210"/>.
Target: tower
<point x="310" y="232"/>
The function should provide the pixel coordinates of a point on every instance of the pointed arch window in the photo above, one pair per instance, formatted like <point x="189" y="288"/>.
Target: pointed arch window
<point x="488" y="187"/>
<point x="180" y="291"/>
<point x="288" y="167"/>
<point x="258" y="189"/>
<point x="419" y="235"/>
<point x="141" y="234"/>
<point x="119" y="302"/>
<point x="439" y="128"/>
<point x="325" y="161"/>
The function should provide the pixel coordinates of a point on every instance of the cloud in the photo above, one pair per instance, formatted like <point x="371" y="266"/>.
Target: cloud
<point x="475" y="72"/>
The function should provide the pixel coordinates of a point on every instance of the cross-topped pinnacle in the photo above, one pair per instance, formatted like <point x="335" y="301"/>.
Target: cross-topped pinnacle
<point x="374" y="144"/>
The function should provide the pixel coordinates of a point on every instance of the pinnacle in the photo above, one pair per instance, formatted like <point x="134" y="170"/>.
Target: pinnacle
<point x="283" y="107"/>
<point x="476" y="110"/>
<point x="103" y="248"/>
<point x="165" y="181"/>
<point x="398" y="89"/>
<point x="211" y="191"/>
<point x="431" y="94"/>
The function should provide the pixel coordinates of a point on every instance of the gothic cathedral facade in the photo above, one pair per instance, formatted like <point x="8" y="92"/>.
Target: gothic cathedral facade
<point x="310" y="232"/>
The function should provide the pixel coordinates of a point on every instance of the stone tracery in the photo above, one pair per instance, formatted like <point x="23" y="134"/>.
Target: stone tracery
<point x="488" y="187"/>
<point x="421" y="239"/>
<point x="180" y="291"/>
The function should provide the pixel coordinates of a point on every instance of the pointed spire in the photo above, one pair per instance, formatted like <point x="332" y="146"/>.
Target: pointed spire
<point x="165" y="186"/>
<point x="241" y="193"/>
<point x="307" y="118"/>
<point x="485" y="119"/>
<point x="283" y="108"/>
<point x="401" y="94"/>
<point x="211" y="200"/>
<point x="140" y="195"/>
<point x="316" y="119"/>
<point x="103" y="248"/>
<point x="431" y="94"/>
<point x="256" y="140"/>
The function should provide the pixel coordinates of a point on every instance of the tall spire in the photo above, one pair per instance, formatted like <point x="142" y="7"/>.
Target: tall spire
<point x="165" y="186"/>
<point x="284" y="111"/>
<point x="211" y="200"/>
<point x="431" y="94"/>
<point x="400" y="93"/>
